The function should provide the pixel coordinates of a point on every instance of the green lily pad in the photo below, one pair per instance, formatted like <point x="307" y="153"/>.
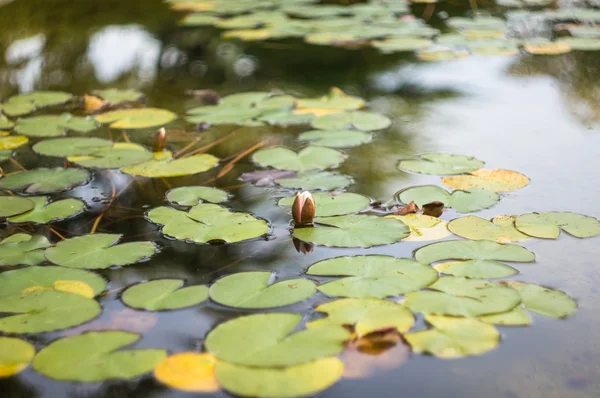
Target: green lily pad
<point x="117" y="96"/>
<point x="208" y="222"/>
<point x="456" y="296"/>
<point x="15" y="356"/>
<point x="23" y="249"/>
<point x="164" y="294"/>
<point x="71" y="146"/>
<point x="543" y="300"/>
<point x="466" y="201"/>
<point x="367" y="315"/>
<point x="44" y="212"/>
<point x="441" y="164"/>
<point x="17" y="281"/>
<point x="476" y="269"/>
<point x="334" y="203"/>
<point x="23" y="104"/>
<point x="311" y="181"/>
<point x="137" y="118"/>
<point x="45" y="311"/>
<point x="12" y="141"/>
<point x="190" y="196"/>
<point x="336" y="138"/>
<point x="335" y="99"/>
<point x="14" y="205"/>
<point x="98" y="251"/>
<point x="222" y="114"/>
<point x="306" y="379"/>
<point x="309" y="158"/>
<point x="515" y="317"/>
<point x="254" y="290"/>
<point x="581" y="43"/>
<point x="165" y="166"/>
<point x="269" y="342"/>
<point x="373" y="276"/>
<point x="54" y="126"/>
<point x="285" y="118"/>
<point x="93" y="357"/>
<point x="5" y="123"/>
<point x="365" y="121"/>
<point x="121" y="154"/>
<point x="454" y="337"/>
<point x="353" y="231"/>
<point x="548" y="225"/>
<point x="501" y="229"/>
<point x="401" y="44"/>
<point x="44" y="180"/>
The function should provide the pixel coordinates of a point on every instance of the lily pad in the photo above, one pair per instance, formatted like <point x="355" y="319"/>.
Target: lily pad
<point x="44" y="212"/>
<point x="423" y="228"/>
<point x="515" y="317"/>
<point x="496" y="180"/>
<point x="367" y="315"/>
<point x="501" y="229"/>
<point x="220" y="114"/>
<point x="23" y="104"/>
<point x="285" y="118"/>
<point x="164" y="294"/>
<point x="441" y="164"/>
<point x="22" y="249"/>
<point x="301" y="380"/>
<point x="543" y="300"/>
<point x="190" y="196"/>
<point x="5" y="123"/>
<point x="45" y="311"/>
<point x="98" y="251"/>
<point x="93" y="357"/>
<point x="456" y="296"/>
<point x="373" y="276"/>
<point x="365" y="121"/>
<point x="15" y="356"/>
<point x="44" y="180"/>
<point x="164" y="166"/>
<point x="18" y="281"/>
<point x="401" y="44"/>
<point x="71" y="146"/>
<point x="353" y="231"/>
<point x="543" y="46"/>
<point x="54" y="126"/>
<point x="121" y="154"/>
<point x="336" y="138"/>
<point x="581" y="43"/>
<point x="267" y="341"/>
<point x="466" y="201"/>
<point x="14" y="205"/>
<point x="316" y="181"/>
<point x="263" y="178"/>
<point x="334" y="203"/>
<point x="548" y="225"/>
<point x="335" y="100"/>
<point x="208" y="222"/>
<point x="255" y="290"/>
<point x="117" y="96"/>
<point x="188" y="371"/>
<point x="137" y="118"/>
<point x="309" y="158"/>
<point x="476" y="269"/>
<point x="454" y="337"/>
<point x="12" y="142"/>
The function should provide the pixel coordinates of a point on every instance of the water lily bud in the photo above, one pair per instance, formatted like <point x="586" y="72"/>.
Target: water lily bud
<point x="159" y="140"/>
<point x="303" y="209"/>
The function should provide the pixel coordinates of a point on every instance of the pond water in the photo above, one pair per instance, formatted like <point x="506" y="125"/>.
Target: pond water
<point x="537" y="115"/>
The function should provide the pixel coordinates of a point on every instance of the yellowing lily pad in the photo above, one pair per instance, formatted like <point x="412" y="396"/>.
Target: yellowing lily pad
<point x="515" y="317"/>
<point x="501" y="229"/>
<point x="543" y="300"/>
<point x="476" y="269"/>
<point x="12" y="142"/>
<point x="188" y="371"/>
<point x="23" y="249"/>
<point x="423" y="228"/>
<point x="336" y="100"/>
<point x="164" y="165"/>
<point x="441" y="163"/>
<point x="137" y="118"/>
<point x="309" y="158"/>
<point x="164" y="294"/>
<point x="15" y="356"/>
<point x="496" y="180"/>
<point x="548" y="225"/>
<point x="543" y="46"/>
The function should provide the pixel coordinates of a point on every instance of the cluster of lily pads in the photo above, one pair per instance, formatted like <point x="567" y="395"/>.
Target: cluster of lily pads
<point x="455" y="284"/>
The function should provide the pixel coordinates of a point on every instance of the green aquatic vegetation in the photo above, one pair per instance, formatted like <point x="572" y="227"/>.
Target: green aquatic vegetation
<point x="24" y="104"/>
<point x="336" y="138"/>
<point x="164" y="294"/>
<point x="45" y="278"/>
<point x="307" y="159"/>
<point x="190" y="196"/>
<point x="441" y="164"/>
<point x="500" y="229"/>
<point x="45" y="212"/>
<point x="15" y="356"/>
<point x="14" y="205"/>
<point x="164" y="165"/>
<point x="333" y="203"/>
<point x="137" y="118"/>
<point x="463" y="201"/>
<point x="22" y="249"/>
<point x="54" y="126"/>
<point x="548" y="225"/>
<point x="45" y="180"/>
<point x="316" y="181"/>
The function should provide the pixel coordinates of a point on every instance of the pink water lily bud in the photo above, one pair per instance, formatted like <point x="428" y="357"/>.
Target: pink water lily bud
<point x="159" y="140"/>
<point x="304" y="209"/>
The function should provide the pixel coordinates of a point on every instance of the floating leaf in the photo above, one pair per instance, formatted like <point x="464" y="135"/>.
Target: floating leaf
<point x="44" y="212"/>
<point x="496" y="180"/>
<point x="457" y="296"/>
<point x="441" y="163"/>
<point x="285" y="118"/>
<point x="45" y="311"/>
<point x="309" y="158"/>
<point x="466" y="201"/>
<point x="164" y="294"/>
<point x="336" y="100"/>
<point x="15" y="356"/>
<point x="543" y="46"/>
<point x="334" y="204"/>
<point x="543" y="300"/>
<point x="63" y="147"/>
<point x="12" y="142"/>
<point x="423" y="227"/>
<point x="208" y="222"/>
<point x="293" y="381"/>
<point x="365" y="121"/>
<point x="137" y="118"/>
<point x="98" y="251"/>
<point x="367" y="315"/>
<point x="476" y="269"/>
<point x="121" y="154"/>
<point x="17" y="281"/>
<point x="353" y="231"/>
<point x="190" y="196"/>
<point x="116" y="96"/>
<point x="254" y="290"/>
<point x="311" y="181"/>
<point x="401" y="44"/>
<point x="23" y="104"/>
<point x="5" y="123"/>
<point x="548" y="225"/>
<point x="581" y="43"/>
<point x="188" y="371"/>
<point x="219" y="114"/>
<point x="373" y="276"/>
<point x="54" y="126"/>
<point x="165" y="166"/>
<point x="336" y="138"/>
<point x="436" y="54"/>
<point x="515" y="317"/>
<point x="454" y="337"/>
<point x="262" y="178"/>
<point x="93" y="357"/>
<point x="44" y="180"/>
<point x="14" y="205"/>
<point x="22" y="249"/>
<point x="267" y="341"/>
<point x="501" y="229"/>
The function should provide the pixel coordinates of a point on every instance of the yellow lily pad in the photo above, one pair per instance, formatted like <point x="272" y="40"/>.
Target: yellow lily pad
<point x="497" y="180"/>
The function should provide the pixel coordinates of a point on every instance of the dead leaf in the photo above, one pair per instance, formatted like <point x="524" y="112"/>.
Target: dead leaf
<point x="92" y="104"/>
<point x="209" y="97"/>
<point x="433" y="209"/>
<point x="303" y="247"/>
<point x="408" y="209"/>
